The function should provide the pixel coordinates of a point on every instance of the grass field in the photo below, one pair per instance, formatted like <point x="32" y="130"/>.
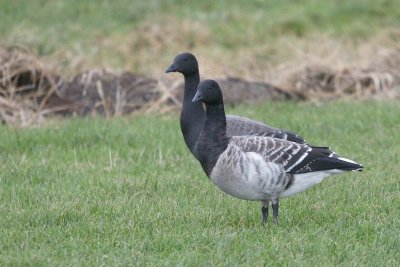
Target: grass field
<point x="126" y="191"/>
<point x="249" y="37"/>
<point x="94" y="192"/>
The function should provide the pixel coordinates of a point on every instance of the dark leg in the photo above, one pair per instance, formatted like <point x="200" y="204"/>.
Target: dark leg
<point x="275" y="208"/>
<point x="264" y="210"/>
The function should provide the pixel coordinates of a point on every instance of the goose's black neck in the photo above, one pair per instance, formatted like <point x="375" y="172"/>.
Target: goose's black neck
<point x="213" y="140"/>
<point x="192" y="114"/>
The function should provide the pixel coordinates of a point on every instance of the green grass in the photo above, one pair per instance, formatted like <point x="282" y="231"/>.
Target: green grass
<point x="69" y="21"/>
<point x="131" y="35"/>
<point x="126" y="191"/>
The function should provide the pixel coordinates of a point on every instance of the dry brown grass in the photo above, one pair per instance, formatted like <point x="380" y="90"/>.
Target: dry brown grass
<point x="320" y="82"/>
<point x="31" y="89"/>
<point x="26" y="84"/>
<point x="333" y="69"/>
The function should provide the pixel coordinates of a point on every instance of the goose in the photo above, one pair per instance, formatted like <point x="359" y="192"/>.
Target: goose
<point x="259" y="168"/>
<point x="193" y="115"/>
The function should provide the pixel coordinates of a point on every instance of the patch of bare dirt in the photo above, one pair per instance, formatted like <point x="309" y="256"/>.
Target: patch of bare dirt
<point x="237" y="91"/>
<point x="108" y="94"/>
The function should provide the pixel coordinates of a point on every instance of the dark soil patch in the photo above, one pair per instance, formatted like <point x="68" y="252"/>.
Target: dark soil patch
<point x="108" y="94"/>
<point x="237" y="91"/>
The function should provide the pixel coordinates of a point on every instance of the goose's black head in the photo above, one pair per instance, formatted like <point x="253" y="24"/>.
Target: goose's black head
<point x="208" y="92"/>
<point x="185" y="63"/>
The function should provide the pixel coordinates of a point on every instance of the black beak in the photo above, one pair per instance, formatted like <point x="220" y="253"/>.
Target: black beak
<point x="171" y="68"/>
<point x="198" y="97"/>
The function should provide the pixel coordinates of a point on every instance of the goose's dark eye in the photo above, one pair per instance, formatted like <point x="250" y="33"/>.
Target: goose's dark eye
<point x="209" y="88"/>
<point x="186" y="59"/>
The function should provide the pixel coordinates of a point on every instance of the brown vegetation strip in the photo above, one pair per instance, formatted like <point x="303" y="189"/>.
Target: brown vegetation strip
<point x="30" y="90"/>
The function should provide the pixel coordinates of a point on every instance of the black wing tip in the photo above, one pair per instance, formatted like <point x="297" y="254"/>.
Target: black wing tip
<point x="350" y="165"/>
<point x="359" y="169"/>
<point x="352" y="168"/>
<point x="330" y="163"/>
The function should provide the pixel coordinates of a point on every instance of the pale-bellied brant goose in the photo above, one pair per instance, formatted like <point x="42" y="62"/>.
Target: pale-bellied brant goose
<point x="258" y="167"/>
<point x="193" y="114"/>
